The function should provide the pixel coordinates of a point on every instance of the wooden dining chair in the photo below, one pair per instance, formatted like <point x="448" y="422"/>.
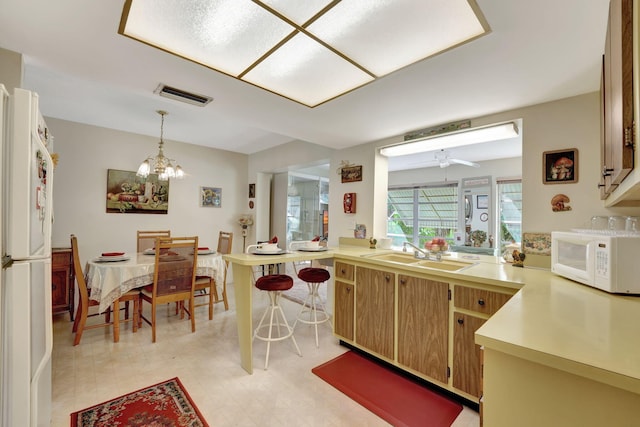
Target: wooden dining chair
<point x="206" y="287"/>
<point x="146" y="239"/>
<point x="85" y="301"/>
<point x="173" y="278"/>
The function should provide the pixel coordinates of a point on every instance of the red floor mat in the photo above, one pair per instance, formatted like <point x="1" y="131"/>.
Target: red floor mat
<point x="396" y="399"/>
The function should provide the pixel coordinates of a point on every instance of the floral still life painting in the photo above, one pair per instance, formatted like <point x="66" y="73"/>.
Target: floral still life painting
<point x="211" y="197"/>
<point x="129" y="193"/>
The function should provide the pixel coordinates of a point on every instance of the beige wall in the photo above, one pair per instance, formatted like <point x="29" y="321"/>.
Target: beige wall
<point x="79" y="200"/>
<point x="11" y="69"/>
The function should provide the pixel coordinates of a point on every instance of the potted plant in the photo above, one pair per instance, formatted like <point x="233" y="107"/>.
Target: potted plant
<point x="478" y="237"/>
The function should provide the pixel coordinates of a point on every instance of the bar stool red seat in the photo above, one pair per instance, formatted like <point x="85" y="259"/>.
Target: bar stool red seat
<point x="313" y="311"/>
<point x="274" y="285"/>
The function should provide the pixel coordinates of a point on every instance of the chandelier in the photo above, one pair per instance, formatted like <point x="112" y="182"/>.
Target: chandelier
<point x="160" y="164"/>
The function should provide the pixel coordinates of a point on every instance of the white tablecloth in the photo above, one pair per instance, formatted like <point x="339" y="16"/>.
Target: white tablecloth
<point x="109" y="280"/>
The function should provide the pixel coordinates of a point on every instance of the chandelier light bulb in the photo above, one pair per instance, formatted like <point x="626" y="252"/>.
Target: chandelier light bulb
<point x="161" y="164"/>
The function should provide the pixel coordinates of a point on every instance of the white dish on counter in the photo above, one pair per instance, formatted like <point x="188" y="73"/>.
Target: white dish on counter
<point x="320" y="249"/>
<point x="261" y="252"/>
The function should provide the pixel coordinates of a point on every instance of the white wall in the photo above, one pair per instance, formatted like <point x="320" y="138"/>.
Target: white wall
<point x="87" y="152"/>
<point x="501" y="168"/>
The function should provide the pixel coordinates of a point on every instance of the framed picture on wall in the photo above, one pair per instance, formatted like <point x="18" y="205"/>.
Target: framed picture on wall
<point x="252" y="191"/>
<point x="129" y="193"/>
<point x="211" y="197"/>
<point x="560" y="166"/>
<point x="482" y="201"/>
<point x="351" y="173"/>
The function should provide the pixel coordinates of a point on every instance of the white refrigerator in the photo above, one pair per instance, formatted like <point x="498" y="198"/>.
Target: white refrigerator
<point x="26" y="332"/>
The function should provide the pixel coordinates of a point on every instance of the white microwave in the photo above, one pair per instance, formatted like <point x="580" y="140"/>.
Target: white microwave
<point x="607" y="262"/>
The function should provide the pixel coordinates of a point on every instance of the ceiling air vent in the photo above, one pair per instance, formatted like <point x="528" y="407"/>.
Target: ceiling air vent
<point x="181" y="95"/>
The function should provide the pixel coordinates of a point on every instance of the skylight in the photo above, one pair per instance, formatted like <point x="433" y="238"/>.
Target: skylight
<point x="309" y="51"/>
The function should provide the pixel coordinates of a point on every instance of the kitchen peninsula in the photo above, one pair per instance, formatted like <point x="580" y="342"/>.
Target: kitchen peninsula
<point x="555" y="352"/>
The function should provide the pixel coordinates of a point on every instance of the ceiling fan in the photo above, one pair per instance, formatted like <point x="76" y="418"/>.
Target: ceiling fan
<point x="443" y="158"/>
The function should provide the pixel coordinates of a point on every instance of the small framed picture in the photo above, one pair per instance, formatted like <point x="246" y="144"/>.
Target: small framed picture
<point x="482" y="201"/>
<point x="252" y="191"/>
<point x="211" y="197"/>
<point x="351" y="173"/>
<point x="560" y="166"/>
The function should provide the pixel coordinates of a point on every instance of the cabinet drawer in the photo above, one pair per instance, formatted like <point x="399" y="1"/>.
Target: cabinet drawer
<point x="62" y="259"/>
<point x="480" y="300"/>
<point x="344" y="271"/>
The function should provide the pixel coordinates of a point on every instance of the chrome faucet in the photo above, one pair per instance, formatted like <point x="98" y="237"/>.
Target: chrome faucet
<point x="416" y="251"/>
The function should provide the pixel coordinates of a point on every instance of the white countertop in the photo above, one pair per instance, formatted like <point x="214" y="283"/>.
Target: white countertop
<point x="550" y="320"/>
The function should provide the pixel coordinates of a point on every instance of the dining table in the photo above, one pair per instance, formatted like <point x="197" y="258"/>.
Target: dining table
<point x="243" y="283"/>
<point x="109" y="279"/>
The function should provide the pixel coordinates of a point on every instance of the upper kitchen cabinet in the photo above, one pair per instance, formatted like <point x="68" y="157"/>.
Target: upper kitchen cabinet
<point x="620" y="182"/>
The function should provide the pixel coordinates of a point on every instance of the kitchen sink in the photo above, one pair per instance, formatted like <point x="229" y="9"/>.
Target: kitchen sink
<point x="409" y="259"/>
<point x="399" y="258"/>
<point x="448" y="265"/>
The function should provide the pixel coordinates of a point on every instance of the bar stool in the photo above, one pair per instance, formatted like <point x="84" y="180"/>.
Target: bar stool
<point x="274" y="284"/>
<point x="309" y="312"/>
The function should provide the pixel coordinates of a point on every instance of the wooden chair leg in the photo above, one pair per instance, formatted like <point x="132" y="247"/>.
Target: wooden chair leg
<point x="211" y="302"/>
<point x="81" y="318"/>
<point x="214" y="289"/>
<point x="78" y="316"/>
<point x="116" y="320"/>
<point x="153" y="324"/>
<point x="193" y="318"/>
<point x="136" y="314"/>
<point x="224" y="296"/>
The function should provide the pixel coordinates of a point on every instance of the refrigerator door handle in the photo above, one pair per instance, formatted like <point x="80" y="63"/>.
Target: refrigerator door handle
<point x="7" y="261"/>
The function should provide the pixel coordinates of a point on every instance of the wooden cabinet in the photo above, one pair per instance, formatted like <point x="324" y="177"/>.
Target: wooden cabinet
<point x="344" y="301"/>
<point x="481" y="304"/>
<point x="409" y="320"/>
<point x="375" y="290"/>
<point x="423" y="319"/>
<point x="344" y="271"/>
<point x="466" y="354"/>
<point x="344" y="310"/>
<point x="617" y="103"/>
<point x="62" y="282"/>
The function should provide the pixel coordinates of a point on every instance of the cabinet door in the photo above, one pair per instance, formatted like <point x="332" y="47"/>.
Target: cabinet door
<point x="343" y="316"/>
<point x="423" y="325"/>
<point x="59" y="284"/>
<point x="375" y="310"/>
<point x="618" y="95"/>
<point x="466" y="354"/>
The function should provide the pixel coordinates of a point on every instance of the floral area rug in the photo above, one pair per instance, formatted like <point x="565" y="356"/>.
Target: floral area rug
<point x="163" y="404"/>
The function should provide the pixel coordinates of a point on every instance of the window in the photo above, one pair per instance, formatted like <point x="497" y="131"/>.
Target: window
<point x="510" y="209"/>
<point x="418" y="214"/>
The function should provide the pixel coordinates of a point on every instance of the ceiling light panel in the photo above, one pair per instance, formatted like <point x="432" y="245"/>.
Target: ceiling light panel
<point x="386" y="35"/>
<point x="304" y="70"/>
<point x="296" y="10"/>
<point x="355" y="41"/>
<point x="227" y="35"/>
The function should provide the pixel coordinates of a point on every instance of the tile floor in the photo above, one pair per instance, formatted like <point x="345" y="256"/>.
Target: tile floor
<point x="207" y="363"/>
